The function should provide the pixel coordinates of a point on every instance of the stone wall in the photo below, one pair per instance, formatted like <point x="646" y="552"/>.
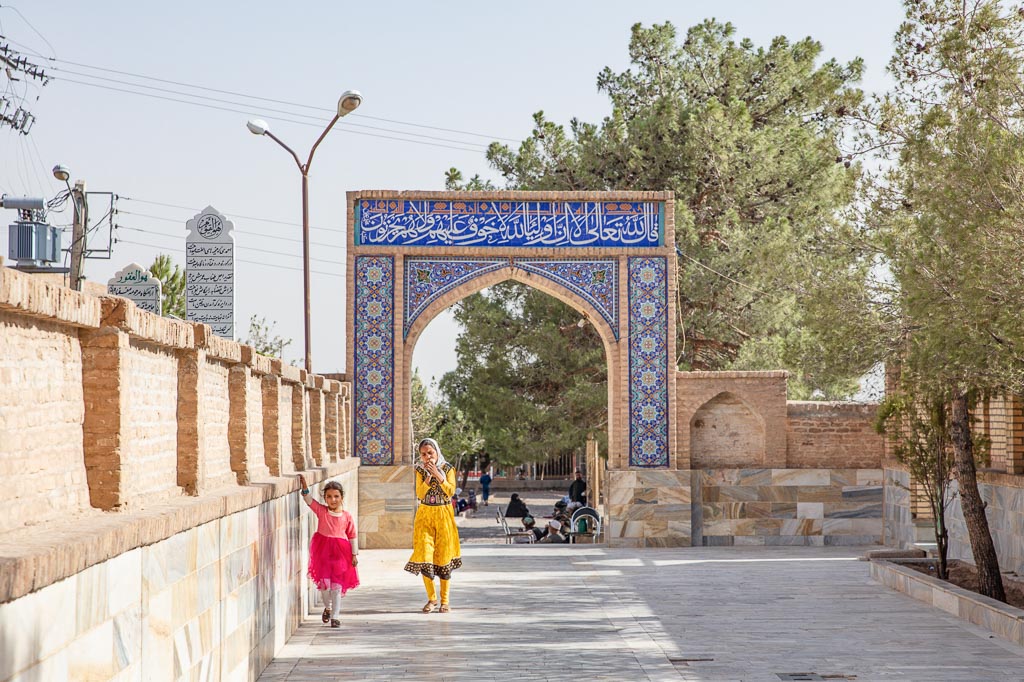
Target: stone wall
<point x="754" y="469"/>
<point x="196" y="571"/>
<point x="899" y="520"/>
<point x="1004" y="499"/>
<point x="717" y="507"/>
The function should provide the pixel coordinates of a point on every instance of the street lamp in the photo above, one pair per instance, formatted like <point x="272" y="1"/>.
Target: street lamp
<point x="347" y="103"/>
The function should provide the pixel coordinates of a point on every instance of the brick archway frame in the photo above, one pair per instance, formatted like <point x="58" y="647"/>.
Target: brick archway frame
<point x="411" y="255"/>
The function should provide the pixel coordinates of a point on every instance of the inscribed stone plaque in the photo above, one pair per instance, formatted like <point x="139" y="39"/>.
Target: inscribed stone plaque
<point x="137" y="284"/>
<point x="210" y="272"/>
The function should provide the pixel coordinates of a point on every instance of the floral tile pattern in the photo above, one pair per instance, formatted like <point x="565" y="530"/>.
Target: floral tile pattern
<point x="374" y="360"/>
<point x="648" y="362"/>
<point x="596" y="281"/>
<point x="427" y="279"/>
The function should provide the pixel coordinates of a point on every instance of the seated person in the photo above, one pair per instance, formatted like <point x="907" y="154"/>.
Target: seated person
<point x="472" y="499"/>
<point x="531" y="525"/>
<point x="463" y="505"/>
<point x="553" y="533"/>
<point x="516" y="507"/>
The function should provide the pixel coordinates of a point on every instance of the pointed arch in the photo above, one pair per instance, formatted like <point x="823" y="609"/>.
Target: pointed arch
<point x="726" y="433"/>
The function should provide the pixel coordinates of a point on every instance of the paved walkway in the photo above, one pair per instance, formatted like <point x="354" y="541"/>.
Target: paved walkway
<point x="585" y="612"/>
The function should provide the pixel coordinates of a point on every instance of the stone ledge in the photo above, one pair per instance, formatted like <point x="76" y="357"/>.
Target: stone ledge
<point x="124" y="315"/>
<point x="1002" y="620"/>
<point x="43" y="554"/>
<point x="752" y="374"/>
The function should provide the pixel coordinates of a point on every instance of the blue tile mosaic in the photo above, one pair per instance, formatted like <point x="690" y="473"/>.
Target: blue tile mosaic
<point x="430" y="222"/>
<point x="648" y="362"/>
<point x="427" y="279"/>
<point x="595" y="281"/>
<point x="373" y="407"/>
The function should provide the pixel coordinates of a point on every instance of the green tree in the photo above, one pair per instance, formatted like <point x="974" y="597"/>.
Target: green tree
<point x="528" y="404"/>
<point x="748" y="139"/>
<point x="262" y="337"/>
<point x="918" y="427"/>
<point x="172" y="279"/>
<point x="424" y="412"/>
<point x="947" y="218"/>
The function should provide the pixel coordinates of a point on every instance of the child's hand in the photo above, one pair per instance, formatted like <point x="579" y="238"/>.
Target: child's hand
<point x="355" y="560"/>
<point x="302" y="482"/>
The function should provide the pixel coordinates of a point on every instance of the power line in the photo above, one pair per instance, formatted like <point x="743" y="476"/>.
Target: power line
<point x="246" y="232"/>
<point x="272" y="118"/>
<point x="244" y="247"/>
<point x="229" y="213"/>
<point x="263" y="109"/>
<point x="239" y="260"/>
<point x="267" y="99"/>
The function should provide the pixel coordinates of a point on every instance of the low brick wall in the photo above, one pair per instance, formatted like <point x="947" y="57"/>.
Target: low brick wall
<point x="196" y="571"/>
<point x="826" y="435"/>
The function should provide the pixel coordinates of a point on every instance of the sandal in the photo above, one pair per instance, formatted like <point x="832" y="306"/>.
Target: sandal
<point x="429" y="606"/>
<point x="326" y="617"/>
<point x="444" y="608"/>
<point x="335" y="623"/>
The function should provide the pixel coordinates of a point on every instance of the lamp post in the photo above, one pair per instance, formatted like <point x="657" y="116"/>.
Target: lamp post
<point x="79" y="230"/>
<point x="347" y="103"/>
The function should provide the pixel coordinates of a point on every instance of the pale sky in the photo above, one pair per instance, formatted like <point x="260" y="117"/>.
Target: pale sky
<point x="445" y="78"/>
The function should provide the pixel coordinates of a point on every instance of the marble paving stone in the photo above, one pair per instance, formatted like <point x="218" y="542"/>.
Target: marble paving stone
<point x="527" y="612"/>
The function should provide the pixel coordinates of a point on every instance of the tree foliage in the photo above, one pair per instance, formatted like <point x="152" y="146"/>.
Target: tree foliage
<point x="918" y="427"/>
<point x="263" y="339"/>
<point x="945" y="221"/>
<point x="748" y="140"/>
<point x="528" y="404"/>
<point x="172" y="279"/>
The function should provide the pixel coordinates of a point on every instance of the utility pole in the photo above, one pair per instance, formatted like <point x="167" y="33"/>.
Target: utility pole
<point x="78" y="235"/>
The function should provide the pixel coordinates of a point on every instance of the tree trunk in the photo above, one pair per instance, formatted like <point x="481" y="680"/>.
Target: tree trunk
<point x="990" y="582"/>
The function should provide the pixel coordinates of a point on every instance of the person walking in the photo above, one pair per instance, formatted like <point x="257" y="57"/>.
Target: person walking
<point x="333" y="550"/>
<point x="485" y="483"/>
<point x="435" y="537"/>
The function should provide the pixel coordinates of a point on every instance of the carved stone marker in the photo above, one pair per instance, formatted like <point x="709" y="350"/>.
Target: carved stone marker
<point x="210" y="272"/>
<point x="137" y="284"/>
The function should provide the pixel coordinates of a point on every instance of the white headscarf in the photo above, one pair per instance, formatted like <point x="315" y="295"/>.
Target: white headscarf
<point x="437" y="448"/>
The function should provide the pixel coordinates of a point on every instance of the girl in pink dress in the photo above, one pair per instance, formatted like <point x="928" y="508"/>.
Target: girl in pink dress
<point x="334" y="550"/>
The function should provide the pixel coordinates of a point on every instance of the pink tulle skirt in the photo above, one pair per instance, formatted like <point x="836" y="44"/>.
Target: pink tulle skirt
<point x="330" y="563"/>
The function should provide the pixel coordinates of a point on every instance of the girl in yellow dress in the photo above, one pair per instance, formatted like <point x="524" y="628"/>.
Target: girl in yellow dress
<point x="435" y="538"/>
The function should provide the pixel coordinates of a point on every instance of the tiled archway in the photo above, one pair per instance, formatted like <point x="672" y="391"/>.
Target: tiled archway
<point x="609" y="255"/>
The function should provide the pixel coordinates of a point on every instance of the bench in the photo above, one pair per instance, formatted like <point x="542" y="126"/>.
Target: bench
<point x="511" y="535"/>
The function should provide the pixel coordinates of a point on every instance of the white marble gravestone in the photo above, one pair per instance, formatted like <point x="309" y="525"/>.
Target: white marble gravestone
<point x="137" y="284"/>
<point x="210" y="272"/>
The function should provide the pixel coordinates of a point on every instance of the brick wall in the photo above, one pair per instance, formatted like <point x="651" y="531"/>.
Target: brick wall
<point x="708" y="407"/>
<point x="827" y="435"/>
<point x="42" y="473"/>
<point x="103" y="406"/>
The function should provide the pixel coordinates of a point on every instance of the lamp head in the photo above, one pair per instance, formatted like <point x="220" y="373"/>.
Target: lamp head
<point x="257" y="126"/>
<point x="349" y="102"/>
<point x="62" y="173"/>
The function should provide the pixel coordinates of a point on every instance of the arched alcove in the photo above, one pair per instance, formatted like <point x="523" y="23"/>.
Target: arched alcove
<point x="726" y="434"/>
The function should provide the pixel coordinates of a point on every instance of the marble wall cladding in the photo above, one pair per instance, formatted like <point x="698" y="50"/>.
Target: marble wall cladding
<point x="1005" y="510"/>
<point x="896" y="509"/>
<point x="387" y="505"/>
<point x="788" y="506"/>
<point x="214" y="602"/>
<point x="718" y="507"/>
